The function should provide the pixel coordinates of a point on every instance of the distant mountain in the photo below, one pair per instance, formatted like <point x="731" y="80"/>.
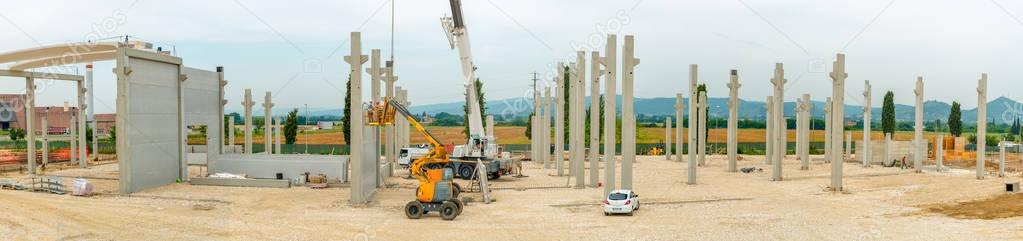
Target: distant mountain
<point x="1001" y="110"/>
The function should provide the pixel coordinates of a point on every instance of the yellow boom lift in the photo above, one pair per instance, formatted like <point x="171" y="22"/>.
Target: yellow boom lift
<point x="436" y="191"/>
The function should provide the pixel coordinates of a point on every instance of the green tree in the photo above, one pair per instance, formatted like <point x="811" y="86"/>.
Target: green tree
<point x="346" y="118"/>
<point x="483" y="107"/>
<point x="888" y="113"/>
<point x="113" y="134"/>
<point x="955" y="120"/>
<point x="16" y="134"/>
<point x="291" y="127"/>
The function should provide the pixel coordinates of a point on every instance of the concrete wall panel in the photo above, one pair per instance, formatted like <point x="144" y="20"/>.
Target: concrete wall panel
<point x="267" y="166"/>
<point x="150" y="135"/>
<point x="202" y="107"/>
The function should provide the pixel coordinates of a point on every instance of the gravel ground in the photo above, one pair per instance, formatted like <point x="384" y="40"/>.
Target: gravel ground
<point x="878" y="204"/>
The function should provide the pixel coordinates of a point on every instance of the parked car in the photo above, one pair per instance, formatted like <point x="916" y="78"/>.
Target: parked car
<point x="621" y="202"/>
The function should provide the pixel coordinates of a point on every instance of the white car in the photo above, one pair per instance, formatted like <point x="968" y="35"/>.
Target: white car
<point x="621" y="202"/>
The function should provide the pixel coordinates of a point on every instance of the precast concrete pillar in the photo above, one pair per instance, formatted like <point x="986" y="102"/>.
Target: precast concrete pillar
<point x="733" y="119"/>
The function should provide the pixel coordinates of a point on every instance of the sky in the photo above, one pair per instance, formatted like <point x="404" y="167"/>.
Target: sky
<point x="295" y="49"/>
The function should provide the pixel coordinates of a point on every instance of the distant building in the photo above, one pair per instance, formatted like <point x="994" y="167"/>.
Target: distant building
<point x="325" y="125"/>
<point x="12" y="115"/>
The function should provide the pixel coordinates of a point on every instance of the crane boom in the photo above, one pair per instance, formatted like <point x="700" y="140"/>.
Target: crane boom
<point x="458" y="38"/>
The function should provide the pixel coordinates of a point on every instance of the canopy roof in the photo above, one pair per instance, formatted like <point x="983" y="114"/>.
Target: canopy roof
<point x="65" y="54"/>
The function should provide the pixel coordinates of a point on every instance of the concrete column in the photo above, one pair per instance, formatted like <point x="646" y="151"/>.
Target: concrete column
<point x="667" y="138"/>
<point x="594" y="154"/>
<point x="30" y="129"/>
<point x="355" y="61"/>
<point x="534" y="134"/>
<point x="838" y="76"/>
<point x="848" y="146"/>
<point x="919" y="146"/>
<point x="91" y="118"/>
<point x="803" y="132"/>
<point x="701" y="134"/>
<point x="1001" y="158"/>
<point x="72" y="141"/>
<point x="769" y="126"/>
<point x="779" y="121"/>
<point x="629" y="63"/>
<point x="981" y="124"/>
<point x="559" y="121"/>
<point x="268" y="106"/>
<point x="939" y="153"/>
<point x="692" y="128"/>
<point x="887" y="146"/>
<point x="82" y="144"/>
<point x="733" y="119"/>
<point x="799" y="128"/>
<point x="679" y="125"/>
<point x="865" y="153"/>
<point x="277" y="135"/>
<point x="230" y="131"/>
<point x="46" y="138"/>
<point x="247" y="103"/>
<point x="390" y="152"/>
<point x="375" y="72"/>
<point x="610" y="61"/>
<point x="579" y="120"/>
<point x="546" y="127"/>
<point x="827" y="130"/>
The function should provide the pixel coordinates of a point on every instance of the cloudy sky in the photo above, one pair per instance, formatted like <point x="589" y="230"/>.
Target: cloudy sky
<point x="295" y="48"/>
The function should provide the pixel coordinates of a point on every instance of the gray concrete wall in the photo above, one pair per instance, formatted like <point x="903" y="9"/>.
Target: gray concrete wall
<point x="150" y="134"/>
<point x="899" y="150"/>
<point x="291" y="165"/>
<point x="202" y="107"/>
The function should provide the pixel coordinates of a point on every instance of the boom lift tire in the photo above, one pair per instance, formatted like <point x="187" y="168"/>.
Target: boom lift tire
<point x="449" y="210"/>
<point x="414" y="210"/>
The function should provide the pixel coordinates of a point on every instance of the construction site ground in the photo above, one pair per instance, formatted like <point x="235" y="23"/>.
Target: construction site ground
<point x="877" y="204"/>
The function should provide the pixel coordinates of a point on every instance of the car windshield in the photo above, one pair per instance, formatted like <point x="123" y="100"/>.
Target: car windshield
<point x="618" y="196"/>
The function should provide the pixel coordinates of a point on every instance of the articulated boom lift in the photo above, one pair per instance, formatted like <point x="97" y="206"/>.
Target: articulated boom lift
<point x="436" y="191"/>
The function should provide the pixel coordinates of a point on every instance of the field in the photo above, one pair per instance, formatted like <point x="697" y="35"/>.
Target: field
<point x="877" y="204"/>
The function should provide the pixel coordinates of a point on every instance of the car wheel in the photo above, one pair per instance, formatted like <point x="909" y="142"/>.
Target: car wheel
<point x="607" y="214"/>
<point x="455" y="190"/>
<point x="465" y="171"/>
<point x="414" y="210"/>
<point x="449" y="210"/>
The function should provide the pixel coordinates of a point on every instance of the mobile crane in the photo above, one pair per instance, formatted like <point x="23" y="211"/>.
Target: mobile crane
<point x="479" y="145"/>
<point x="437" y="191"/>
